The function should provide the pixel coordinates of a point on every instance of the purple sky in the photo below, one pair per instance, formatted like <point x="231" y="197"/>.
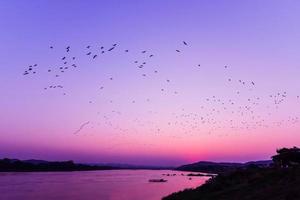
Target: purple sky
<point x="140" y="117"/>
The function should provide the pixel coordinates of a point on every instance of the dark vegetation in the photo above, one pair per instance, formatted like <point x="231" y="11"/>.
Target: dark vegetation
<point x="287" y="157"/>
<point x="279" y="181"/>
<point x="14" y="165"/>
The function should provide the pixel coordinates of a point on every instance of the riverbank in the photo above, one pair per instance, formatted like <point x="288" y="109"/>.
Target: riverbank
<point x="247" y="184"/>
<point x="15" y="165"/>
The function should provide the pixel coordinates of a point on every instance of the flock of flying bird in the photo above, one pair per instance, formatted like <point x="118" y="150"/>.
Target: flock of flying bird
<point x="244" y="111"/>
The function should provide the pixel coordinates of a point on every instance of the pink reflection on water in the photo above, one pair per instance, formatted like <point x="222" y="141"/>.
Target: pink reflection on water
<point x="100" y="185"/>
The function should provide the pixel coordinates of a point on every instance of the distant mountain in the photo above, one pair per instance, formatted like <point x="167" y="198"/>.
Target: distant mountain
<point x="215" y="167"/>
<point x="15" y="165"/>
<point x="260" y="163"/>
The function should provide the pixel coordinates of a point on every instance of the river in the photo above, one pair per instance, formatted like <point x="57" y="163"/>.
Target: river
<point x="94" y="185"/>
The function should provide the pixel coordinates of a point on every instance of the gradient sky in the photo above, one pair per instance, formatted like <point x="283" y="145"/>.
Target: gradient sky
<point x="131" y="120"/>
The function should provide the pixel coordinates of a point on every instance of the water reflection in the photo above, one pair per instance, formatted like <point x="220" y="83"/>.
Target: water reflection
<point x="92" y="185"/>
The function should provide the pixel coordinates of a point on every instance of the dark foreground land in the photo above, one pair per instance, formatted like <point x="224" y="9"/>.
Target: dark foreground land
<point x="262" y="180"/>
<point x="14" y="165"/>
<point x="247" y="184"/>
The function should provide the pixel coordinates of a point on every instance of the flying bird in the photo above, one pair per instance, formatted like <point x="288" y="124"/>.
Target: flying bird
<point x="81" y="127"/>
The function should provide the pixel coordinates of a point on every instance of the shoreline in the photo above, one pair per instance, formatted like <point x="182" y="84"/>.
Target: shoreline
<point x="247" y="184"/>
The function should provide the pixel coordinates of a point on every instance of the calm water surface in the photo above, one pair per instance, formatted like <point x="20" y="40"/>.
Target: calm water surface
<point x="90" y="185"/>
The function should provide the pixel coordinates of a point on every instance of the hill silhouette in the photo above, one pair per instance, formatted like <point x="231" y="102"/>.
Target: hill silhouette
<point x="215" y="167"/>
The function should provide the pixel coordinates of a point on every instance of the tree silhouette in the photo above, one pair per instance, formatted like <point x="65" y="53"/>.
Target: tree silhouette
<point x="287" y="157"/>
